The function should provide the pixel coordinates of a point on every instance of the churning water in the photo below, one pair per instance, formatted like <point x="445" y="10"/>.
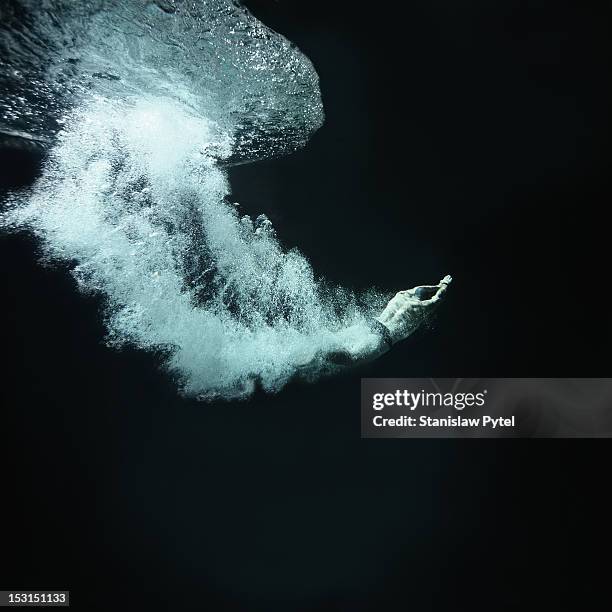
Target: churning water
<point x="142" y="110"/>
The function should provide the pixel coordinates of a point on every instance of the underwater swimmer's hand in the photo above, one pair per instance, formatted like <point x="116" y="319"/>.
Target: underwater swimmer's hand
<point x="409" y="309"/>
<point x="402" y="316"/>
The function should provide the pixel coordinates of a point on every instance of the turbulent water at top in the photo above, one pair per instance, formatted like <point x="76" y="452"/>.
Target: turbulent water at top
<point x="144" y="102"/>
<point x="211" y="55"/>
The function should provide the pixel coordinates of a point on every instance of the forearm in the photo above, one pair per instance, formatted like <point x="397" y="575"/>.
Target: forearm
<point x="402" y="316"/>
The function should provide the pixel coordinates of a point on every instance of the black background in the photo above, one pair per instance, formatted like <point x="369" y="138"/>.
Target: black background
<point x="464" y="138"/>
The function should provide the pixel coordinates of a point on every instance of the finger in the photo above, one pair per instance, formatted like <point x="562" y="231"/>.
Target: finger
<point x="426" y="291"/>
<point x="444" y="283"/>
<point x="437" y="296"/>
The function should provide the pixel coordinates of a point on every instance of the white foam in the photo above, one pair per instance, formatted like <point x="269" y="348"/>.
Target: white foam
<point x="132" y="194"/>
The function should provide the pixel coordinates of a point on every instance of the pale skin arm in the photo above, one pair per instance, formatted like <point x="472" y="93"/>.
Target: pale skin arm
<point x="405" y="313"/>
<point x="409" y="309"/>
<point x="402" y="316"/>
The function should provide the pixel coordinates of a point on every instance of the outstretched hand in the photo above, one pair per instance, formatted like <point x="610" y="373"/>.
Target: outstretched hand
<point x="410" y="308"/>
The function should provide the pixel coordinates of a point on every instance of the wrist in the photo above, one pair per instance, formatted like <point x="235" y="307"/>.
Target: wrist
<point x="383" y="331"/>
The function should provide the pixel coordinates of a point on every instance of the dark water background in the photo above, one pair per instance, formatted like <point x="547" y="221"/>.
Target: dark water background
<point x="465" y="139"/>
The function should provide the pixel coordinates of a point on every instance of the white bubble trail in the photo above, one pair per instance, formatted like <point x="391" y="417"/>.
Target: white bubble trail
<point x="133" y="196"/>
